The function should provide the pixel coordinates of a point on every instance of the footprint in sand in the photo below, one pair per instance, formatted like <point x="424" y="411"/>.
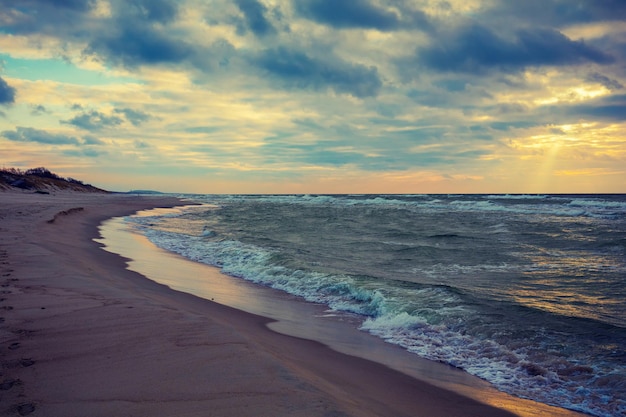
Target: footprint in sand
<point x="26" y="362"/>
<point x="25" y="409"/>
<point x="8" y="384"/>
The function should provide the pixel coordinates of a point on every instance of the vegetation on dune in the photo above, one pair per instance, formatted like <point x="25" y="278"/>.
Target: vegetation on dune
<point x="41" y="180"/>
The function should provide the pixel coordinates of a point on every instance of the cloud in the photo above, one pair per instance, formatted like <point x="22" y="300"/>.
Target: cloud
<point x="79" y="5"/>
<point x="202" y="129"/>
<point x="364" y="14"/>
<point x="558" y="12"/>
<point x="86" y="152"/>
<point x="255" y="17"/>
<point x="92" y="140"/>
<point x="149" y="35"/>
<point x="93" y="120"/>
<point x="609" y="83"/>
<point x="29" y="134"/>
<point x="57" y="18"/>
<point x="141" y="144"/>
<point x="133" y="116"/>
<point x="296" y="69"/>
<point x="397" y="154"/>
<point x="7" y="93"/>
<point x="138" y="33"/>
<point x="38" y="110"/>
<point x="348" y="14"/>
<point x="130" y="33"/>
<point x="133" y="45"/>
<point x="162" y="11"/>
<point x="476" y="49"/>
<point x="75" y="18"/>
<point x="612" y="108"/>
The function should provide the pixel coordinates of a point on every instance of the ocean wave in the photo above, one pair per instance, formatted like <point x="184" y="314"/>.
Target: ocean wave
<point x="551" y="205"/>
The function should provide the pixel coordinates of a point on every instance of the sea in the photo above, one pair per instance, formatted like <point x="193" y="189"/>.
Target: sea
<point x="527" y="292"/>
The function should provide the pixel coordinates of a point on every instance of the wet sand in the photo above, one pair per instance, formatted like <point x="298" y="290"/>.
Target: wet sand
<point x="80" y="334"/>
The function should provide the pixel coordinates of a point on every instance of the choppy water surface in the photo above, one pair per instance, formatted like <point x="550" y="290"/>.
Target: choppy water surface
<point x="527" y="292"/>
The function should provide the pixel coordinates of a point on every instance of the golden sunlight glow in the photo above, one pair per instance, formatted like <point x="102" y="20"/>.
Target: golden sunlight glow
<point x="551" y="87"/>
<point x="595" y="30"/>
<point x="583" y="93"/>
<point x="569" y="153"/>
<point x="102" y="9"/>
<point x="587" y="172"/>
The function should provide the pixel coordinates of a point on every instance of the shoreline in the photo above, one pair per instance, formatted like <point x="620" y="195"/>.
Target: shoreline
<point x="84" y="335"/>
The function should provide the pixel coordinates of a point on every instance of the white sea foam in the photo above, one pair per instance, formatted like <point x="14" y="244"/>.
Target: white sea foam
<point x="550" y="205"/>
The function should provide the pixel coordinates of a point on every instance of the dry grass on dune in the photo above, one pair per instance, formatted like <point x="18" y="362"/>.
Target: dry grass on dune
<point x="41" y="180"/>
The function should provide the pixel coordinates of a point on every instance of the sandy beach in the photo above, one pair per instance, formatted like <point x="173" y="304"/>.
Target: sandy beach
<point x="81" y="335"/>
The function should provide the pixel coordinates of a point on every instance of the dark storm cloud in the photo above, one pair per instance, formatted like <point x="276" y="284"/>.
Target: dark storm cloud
<point x="137" y="32"/>
<point x="363" y="14"/>
<point x="93" y="120"/>
<point x="347" y="14"/>
<point x="477" y="49"/>
<point x="147" y="34"/>
<point x="63" y="17"/>
<point x="54" y="17"/>
<point x="255" y="17"/>
<point x="7" y="93"/>
<point x="296" y="69"/>
<point x="29" y="134"/>
<point x="612" y="108"/>
<point x="134" y="44"/>
<point x="80" y="5"/>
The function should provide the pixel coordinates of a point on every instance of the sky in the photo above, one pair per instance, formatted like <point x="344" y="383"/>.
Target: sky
<point x="317" y="96"/>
